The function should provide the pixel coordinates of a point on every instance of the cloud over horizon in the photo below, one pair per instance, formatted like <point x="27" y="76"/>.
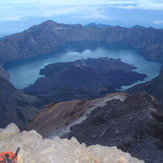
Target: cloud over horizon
<point x="158" y="22"/>
<point x="114" y="12"/>
<point x="36" y="8"/>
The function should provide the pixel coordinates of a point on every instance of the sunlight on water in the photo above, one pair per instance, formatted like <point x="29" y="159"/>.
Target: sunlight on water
<point x="25" y="73"/>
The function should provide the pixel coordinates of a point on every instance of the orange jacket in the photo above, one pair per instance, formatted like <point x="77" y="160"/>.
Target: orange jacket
<point x="12" y="156"/>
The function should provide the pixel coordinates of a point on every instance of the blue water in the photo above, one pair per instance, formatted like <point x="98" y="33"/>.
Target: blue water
<point x="24" y="73"/>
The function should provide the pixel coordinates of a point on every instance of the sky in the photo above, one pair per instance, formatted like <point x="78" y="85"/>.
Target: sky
<point x="18" y="15"/>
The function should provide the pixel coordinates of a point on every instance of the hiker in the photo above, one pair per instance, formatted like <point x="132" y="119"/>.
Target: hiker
<point x="9" y="157"/>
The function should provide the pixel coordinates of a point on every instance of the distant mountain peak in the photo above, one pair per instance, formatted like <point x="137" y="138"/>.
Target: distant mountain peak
<point x="50" y="22"/>
<point x="138" y="26"/>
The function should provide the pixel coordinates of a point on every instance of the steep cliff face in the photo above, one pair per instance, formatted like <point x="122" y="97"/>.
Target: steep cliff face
<point x="3" y="73"/>
<point x="35" y="149"/>
<point x="37" y="40"/>
<point x="132" y="123"/>
<point x="14" y="105"/>
<point x="153" y="87"/>
<point x="49" y="36"/>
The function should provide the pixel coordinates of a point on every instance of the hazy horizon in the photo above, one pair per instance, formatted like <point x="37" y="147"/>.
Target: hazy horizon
<point x="18" y="15"/>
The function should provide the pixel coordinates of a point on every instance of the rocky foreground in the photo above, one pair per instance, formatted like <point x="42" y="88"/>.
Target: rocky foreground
<point x="132" y="123"/>
<point x="35" y="149"/>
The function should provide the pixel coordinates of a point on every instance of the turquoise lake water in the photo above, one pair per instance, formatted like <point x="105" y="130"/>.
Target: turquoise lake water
<point x="24" y="73"/>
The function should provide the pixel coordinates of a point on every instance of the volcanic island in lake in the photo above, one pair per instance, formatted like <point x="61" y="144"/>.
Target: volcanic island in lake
<point x="83" y="78"/>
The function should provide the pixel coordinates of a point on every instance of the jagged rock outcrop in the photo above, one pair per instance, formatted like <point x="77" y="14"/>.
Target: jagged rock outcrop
<point x="83" y="79"/>
<point x="15" y="106"/>
<point x="35" y="149"/>
<point x="153" y="87"/>
<point x="132" y="123"/>
<point x="49" y="36"/>
<point x="3" y="73"/>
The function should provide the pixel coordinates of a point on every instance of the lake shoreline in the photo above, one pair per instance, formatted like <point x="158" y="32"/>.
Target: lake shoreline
<point x="77" y="50"/>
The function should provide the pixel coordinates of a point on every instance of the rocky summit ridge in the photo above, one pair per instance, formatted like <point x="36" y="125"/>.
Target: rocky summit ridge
<point x="133" y="123"/>
<point x="35" y="149"/>
<point x="56" y="119"/>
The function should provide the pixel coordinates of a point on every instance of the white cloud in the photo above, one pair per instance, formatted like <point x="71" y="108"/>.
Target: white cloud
<point x="95" y="16"/>
<point x="93" y="12"/>
<point x="158" y="22"/>
<point x="87" y="9"/>
<point x="72" y="10"/>
<point x="144" y="4"/>
<point x="150" y="6"/>
<point x="60" y="11"/>
<point x="67" y="2"/>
